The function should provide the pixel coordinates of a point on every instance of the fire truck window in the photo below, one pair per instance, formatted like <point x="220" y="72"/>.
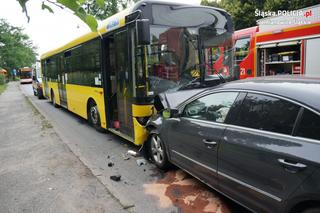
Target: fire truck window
<point x="268" y="113"/>
<point x="309" y="125"/>
<point x="241" y="49"/>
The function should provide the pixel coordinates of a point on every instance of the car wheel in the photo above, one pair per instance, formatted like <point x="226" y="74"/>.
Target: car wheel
<point x="94" y="116"/>
<point x="157" y="152"/>
<point x="312" y="210"/>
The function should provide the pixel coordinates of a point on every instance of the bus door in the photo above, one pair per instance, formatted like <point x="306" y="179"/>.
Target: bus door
<point x="62" y="78"/>
<point x="120" y="79"/>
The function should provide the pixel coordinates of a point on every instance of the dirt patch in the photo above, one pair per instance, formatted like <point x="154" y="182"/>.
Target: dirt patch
<point x="189" y="195"/>
<point x="45" y="124"/>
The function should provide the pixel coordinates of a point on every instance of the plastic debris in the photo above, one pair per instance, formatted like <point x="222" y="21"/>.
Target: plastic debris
<point x="132" y="153"/>
<point x="110" y="164"/>
<point x="141" y="162"/>
<point x="115" y="177"/>
<point x="125" y="156"/>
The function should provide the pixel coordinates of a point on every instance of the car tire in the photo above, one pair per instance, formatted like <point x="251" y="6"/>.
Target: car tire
<point x="312" y="210"/>
<point x="158" y="152"/>
<point x="94" y="116"/>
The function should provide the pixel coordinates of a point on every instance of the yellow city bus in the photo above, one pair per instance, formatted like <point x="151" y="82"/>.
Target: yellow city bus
<point x="110" y="77"/>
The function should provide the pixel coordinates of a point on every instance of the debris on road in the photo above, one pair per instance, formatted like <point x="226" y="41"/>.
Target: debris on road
<point x="141" y="162"/>
<point x="110" y="164"/>
<point x="133" y="153"/>
<point x="125" y="156"/>
<point x="115" y="178"/>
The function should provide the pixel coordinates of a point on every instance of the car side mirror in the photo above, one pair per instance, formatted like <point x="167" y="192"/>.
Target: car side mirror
<point x="170" y="113"/>
<point x="143" y="31"/>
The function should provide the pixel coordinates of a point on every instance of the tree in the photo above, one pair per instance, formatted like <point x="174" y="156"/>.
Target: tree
<point x="243" y="11"/>
<point x="110" y="7"/>
<point x="16" y="49"/>
<point x="87" y="10"/>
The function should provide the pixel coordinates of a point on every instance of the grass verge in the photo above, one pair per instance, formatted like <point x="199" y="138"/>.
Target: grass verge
<point x="2" y="88"/>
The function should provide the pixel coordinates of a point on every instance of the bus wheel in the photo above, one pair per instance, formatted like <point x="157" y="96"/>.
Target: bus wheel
<point x="39" y="94"/>
<point x="94" y="116"/>
<point x="53" y="99"/>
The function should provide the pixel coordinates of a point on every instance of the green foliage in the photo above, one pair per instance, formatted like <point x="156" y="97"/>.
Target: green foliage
<point x="2" y="88"/>
<point x="274" y="5"/>
<point x="243" y="11"/>
<point x="16" y="49"/>
<point x="2" y="79"/>
<point x="87" y="10"/>
<point x="101" y="12"/>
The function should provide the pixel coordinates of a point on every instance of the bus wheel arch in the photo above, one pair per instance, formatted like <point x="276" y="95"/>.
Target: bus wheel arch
<point x="93" y="114"/>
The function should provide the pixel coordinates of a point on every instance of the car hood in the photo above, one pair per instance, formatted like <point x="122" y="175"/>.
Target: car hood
<point x="173" y="99"/>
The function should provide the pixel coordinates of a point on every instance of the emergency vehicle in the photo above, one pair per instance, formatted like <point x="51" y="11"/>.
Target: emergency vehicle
<point x="280" y="45"/>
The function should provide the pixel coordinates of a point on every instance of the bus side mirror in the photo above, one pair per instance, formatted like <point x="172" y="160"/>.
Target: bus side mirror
<point x="143" y="31"/>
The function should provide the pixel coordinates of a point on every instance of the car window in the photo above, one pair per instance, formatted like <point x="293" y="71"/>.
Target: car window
<point x="309" y="126"/>
<point x="268" y="113"/>
<point x="213" y="107"/>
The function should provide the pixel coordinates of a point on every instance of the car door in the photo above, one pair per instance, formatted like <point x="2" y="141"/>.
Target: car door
<point x="257" y="158"/>
<point x="195" y="135"/>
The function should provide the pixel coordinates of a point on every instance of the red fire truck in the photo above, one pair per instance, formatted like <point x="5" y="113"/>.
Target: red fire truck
<point x="280" y="45"/>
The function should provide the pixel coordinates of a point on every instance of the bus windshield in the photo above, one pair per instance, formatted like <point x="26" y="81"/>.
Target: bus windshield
<point x="184" y="47"/>
<point x="26" y="74"/>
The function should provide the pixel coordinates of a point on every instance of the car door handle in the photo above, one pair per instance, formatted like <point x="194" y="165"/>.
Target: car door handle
<point x="209" y="143"/>
<point x="291" y="164"/>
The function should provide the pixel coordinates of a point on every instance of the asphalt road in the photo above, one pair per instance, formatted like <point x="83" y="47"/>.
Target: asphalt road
<point x="141" y="188"/>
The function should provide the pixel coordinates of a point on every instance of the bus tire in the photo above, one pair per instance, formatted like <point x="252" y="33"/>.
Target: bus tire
<point x="39" y="94"/>
<point x="53" y="100"/>
<point x="94" y="116"/>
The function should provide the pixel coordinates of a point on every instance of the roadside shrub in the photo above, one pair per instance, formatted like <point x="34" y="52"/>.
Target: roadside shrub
<point x="2" y="79"/>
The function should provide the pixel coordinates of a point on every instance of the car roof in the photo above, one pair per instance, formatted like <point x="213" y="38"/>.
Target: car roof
<point x="305" y="90"/>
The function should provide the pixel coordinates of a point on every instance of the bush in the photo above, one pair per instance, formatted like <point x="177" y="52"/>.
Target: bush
<point x="2" y="79"/>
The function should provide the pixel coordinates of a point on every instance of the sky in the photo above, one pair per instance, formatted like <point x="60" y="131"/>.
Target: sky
<point x="48" y="31"/>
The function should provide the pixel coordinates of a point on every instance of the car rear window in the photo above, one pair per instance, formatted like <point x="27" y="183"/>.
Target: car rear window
<point x="268" y="113"/>
<point x="309" y="126"/>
